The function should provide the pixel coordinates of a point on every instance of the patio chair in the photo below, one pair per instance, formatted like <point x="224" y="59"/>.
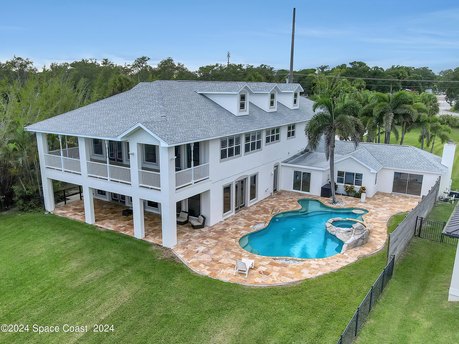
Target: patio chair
<point x="197" y="222"/>
<point x="242" y="267"/>
<point x="182" y="218"/>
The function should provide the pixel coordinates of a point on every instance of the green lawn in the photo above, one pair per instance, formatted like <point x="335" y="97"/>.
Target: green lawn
<point x="394" y="221"/>
<point x="56" y="271"/>
<point x="414" y="307"/>
<point x="412" y="138"/>
<point x="441" y="211"/>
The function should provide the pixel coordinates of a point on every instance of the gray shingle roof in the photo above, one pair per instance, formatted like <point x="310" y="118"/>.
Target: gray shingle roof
<point x="375" y="156"/>
<point x="172" y="110"/>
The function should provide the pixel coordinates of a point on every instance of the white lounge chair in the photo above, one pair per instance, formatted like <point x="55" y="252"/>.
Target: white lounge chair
<point x="182" y="218"/>
<point x="242" y="268"/>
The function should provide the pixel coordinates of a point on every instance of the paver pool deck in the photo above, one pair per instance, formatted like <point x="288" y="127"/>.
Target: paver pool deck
<point x="212" y="251"/>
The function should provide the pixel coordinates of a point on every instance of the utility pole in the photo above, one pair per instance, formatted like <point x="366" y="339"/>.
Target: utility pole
<point x="228" y="55"/>
<point x="292" y="49"/>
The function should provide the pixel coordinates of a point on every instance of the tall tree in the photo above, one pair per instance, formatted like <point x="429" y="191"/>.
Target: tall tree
<point x="393" y="108"/>
<point x="335" y="114"/>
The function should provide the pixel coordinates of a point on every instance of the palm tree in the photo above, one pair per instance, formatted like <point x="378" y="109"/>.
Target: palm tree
<point x="439" y="130"/>
<point x="394" y="109"/>
<point x="428" y="108"/>
<point x="333" y="116"/>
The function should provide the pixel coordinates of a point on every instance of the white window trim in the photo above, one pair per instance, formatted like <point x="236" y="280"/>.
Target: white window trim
<point x="344" y="178"/>
<point x="261" y="141"/>
<point x="229" y="212"/>
<point x="272" y="107"/>
<point x="297" y="104"/>
<point x="246" y="101"/>
<point x="152" y="209"/>
<point x="294" y="131"/>
<point x="147" y="163"/>
<point x="301" y="182"/>
<point x="234" y="156"/>
<point x="269" y="135"/>
<point x="252" y="201"/>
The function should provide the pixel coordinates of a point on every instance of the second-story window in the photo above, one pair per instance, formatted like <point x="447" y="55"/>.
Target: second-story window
<point x="272" y="100"/>
<point x="295" y="98"/>
<point x="242" y="102"/>
<point x="230" y="146"/>
<point x="149" y="155"/>
<point x="272" y="135"/>
<point x="252" y="141"/>
<point x="291" y="131"/>
<point x="97" y="147"/>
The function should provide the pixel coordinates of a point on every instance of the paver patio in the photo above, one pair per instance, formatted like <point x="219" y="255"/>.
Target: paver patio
<point x="212" y="251"/>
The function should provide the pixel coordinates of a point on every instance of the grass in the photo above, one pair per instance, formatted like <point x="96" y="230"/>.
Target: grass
<point x="395" y="220"/>
<point x="412" y="138"/>
<point x="441" y="211"/>
<point x="56" y="271"/>
<point x="414" y="308"/>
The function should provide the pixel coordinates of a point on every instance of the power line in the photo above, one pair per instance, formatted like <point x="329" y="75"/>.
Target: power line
<point x="382" y="79"/>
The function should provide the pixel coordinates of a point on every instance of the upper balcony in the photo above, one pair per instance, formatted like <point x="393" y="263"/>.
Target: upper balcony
<point x="190" y="162"/>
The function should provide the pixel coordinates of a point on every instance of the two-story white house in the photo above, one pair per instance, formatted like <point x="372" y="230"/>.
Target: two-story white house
<point x="210" y="148"/>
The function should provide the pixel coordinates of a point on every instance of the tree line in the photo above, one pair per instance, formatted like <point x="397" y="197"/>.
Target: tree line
<point x="28" y="95"/>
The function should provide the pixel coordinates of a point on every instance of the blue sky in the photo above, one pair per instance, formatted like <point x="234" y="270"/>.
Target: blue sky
<point x="199" y="32"/>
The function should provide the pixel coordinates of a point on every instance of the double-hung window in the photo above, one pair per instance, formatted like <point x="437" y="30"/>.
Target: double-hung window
<point x="295" y="99"/>
<point x="291" y="131"/>
<point x="252" y="141"/>
<point x="242" y="102"/>
<point x="272" y="100"/>
<point x="272" y="135"/>
<point x="230" y="147"/>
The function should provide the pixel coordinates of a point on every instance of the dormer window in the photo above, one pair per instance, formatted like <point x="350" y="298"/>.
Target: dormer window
<point x="295" y="99"/>
<point x="242" y="102"/>
<point x="272" y="100"/>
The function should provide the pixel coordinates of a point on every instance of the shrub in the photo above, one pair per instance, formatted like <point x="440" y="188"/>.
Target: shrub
<point x="449" y="120"/>
<point x="350" y="190"/>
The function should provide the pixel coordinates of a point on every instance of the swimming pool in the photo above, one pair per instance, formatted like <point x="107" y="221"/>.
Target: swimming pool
<point x="299" y="233"/>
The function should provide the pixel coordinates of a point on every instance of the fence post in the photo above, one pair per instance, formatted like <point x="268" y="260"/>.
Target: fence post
<point x="420" y="227"/>
<point x="65" y="198"/>
<point x="382" y="282"/>
<point x="416" y="226"/>
<point x="371" y="298"/>
<point x="357" y="321"/>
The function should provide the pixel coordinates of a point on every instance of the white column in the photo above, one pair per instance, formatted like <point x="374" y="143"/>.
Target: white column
<point x="454" y="287"/>
<point x="47" y="184"/>
<point x="138" y="215"/>
<point x="168" y="208"/>
<point x="134" y="157"/>
<point x="88" y="199"/>
<point x="83" y="152"/>
<point x="60" y="150"/>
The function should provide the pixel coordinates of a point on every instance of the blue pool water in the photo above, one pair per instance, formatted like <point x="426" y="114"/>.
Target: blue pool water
<point x="343" y="223"/>
<point x="299" y="233"/>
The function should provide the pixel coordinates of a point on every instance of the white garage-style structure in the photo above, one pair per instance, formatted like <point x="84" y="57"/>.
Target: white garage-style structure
<point x="378" y="167"/>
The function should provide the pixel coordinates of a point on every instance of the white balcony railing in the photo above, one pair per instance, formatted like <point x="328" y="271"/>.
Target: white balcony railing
<point x="115" y="173"/>
<point x="150" y="179"/>
<point x="191" y="175"/>
<point x="72" y="152"/>
<point x="62" y="163"/>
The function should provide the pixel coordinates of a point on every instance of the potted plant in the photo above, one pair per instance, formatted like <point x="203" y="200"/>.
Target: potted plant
<point x="350" y="190"/>
<point x="363" y="194"/>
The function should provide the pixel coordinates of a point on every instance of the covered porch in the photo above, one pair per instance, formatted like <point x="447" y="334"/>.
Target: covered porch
<point x="109" y="215"/>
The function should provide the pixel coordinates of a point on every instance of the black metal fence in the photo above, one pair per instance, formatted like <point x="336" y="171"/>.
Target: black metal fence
<point x="361" y="314"/>
<point x="432" y="230"/>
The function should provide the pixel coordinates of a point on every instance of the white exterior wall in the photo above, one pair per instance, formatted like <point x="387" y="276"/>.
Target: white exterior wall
<point x="262" y="101"/>
<point x="318" y="179"/>
<point x="385" y="180"/>
<point x="350" y="165"/>
<point x="230" y="102"/>
<point x="261" y="162"/>
<point x="286" y="98"/>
